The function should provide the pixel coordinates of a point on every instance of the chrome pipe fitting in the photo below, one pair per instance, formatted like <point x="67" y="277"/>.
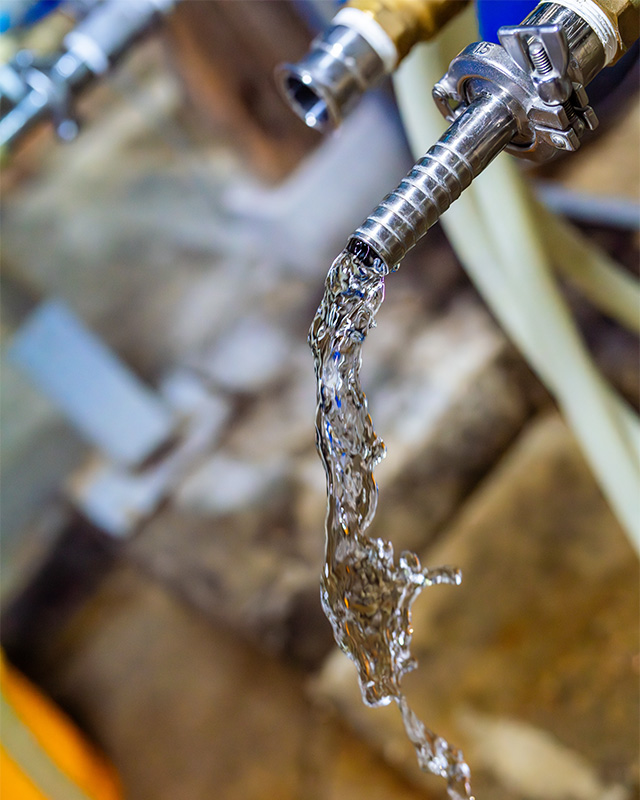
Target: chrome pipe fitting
<point x="324" y="86"/>
<point x="366" y="40"/>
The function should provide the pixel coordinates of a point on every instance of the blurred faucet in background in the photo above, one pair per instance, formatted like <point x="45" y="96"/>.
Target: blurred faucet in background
<point x="35" y="88"/>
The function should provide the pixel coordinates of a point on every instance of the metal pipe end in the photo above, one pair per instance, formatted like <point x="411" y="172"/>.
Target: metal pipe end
<point x="375" y="241"/>
<point x="404" y="216"/>
<point x="364" y="252"/>
<point x="329" y="81"/>
<point x="308" y="99"/>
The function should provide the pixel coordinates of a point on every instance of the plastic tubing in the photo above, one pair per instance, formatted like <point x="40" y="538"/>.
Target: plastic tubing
<point x="593" y="272"/>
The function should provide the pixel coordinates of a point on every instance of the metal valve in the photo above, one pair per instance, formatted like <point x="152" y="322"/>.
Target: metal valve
<point x="525" y="96"/>
<point x="35" y="89"/>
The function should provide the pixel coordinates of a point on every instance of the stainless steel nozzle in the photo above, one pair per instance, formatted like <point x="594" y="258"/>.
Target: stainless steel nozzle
<point x="527" y="96"/>
<point x="339" y="68"/>
<point x="463" y="151"/>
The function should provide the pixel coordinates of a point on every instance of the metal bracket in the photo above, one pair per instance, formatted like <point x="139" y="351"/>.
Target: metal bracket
<point x="57" y="97"/>
<point x="38" y="84"/>
<point x="582" y="107"/>
<point x="449" y="105"/>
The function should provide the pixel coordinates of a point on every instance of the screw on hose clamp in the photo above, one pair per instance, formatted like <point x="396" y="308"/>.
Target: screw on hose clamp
<point x="542" y="51"/>
<point x="532" y="72"/>
<point x="449" y="103"/>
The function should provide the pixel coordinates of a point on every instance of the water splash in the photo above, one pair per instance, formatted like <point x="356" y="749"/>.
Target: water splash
<point x="365" y="595"/>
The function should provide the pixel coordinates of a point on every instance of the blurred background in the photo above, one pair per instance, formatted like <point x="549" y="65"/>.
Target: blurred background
<point x="162" y="501"/>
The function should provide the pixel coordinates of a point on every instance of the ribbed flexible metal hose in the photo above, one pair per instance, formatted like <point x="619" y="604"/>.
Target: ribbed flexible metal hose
<point x="435" y="182"/>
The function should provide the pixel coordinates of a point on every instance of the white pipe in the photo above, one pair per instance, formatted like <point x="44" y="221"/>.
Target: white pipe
<point x="592" y="271"/>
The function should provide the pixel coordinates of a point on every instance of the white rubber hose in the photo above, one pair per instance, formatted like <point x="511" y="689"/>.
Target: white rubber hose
<point x="593" y="272"/>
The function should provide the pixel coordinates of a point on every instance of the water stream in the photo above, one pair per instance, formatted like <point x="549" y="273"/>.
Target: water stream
<point x="366" y="596"/>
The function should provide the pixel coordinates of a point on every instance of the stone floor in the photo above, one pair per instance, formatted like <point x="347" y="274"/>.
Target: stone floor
<point x="195" y="653"/>
<point x="531" y="665"/>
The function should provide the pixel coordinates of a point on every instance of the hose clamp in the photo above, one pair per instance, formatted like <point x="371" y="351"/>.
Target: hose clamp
<point x="550" y="109"/>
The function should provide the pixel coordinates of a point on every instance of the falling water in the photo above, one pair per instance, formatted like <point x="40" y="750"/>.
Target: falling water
<point x="365" y="595"/>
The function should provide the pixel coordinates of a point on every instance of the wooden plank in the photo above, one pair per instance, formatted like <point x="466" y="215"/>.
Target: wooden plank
<point x="226" y="52"/>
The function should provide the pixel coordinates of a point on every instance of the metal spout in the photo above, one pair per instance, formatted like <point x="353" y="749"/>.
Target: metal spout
<point x="366" y="40"/>
<point x="484" y="129"/>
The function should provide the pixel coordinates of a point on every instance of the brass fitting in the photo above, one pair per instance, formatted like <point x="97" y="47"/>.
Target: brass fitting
<point x="625" y="17"/>
<point x="408" y="22"/>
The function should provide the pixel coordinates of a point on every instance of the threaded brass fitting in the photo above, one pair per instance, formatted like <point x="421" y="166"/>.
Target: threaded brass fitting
<point x="625" y="16"/>
<point x="407" y="22"/>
